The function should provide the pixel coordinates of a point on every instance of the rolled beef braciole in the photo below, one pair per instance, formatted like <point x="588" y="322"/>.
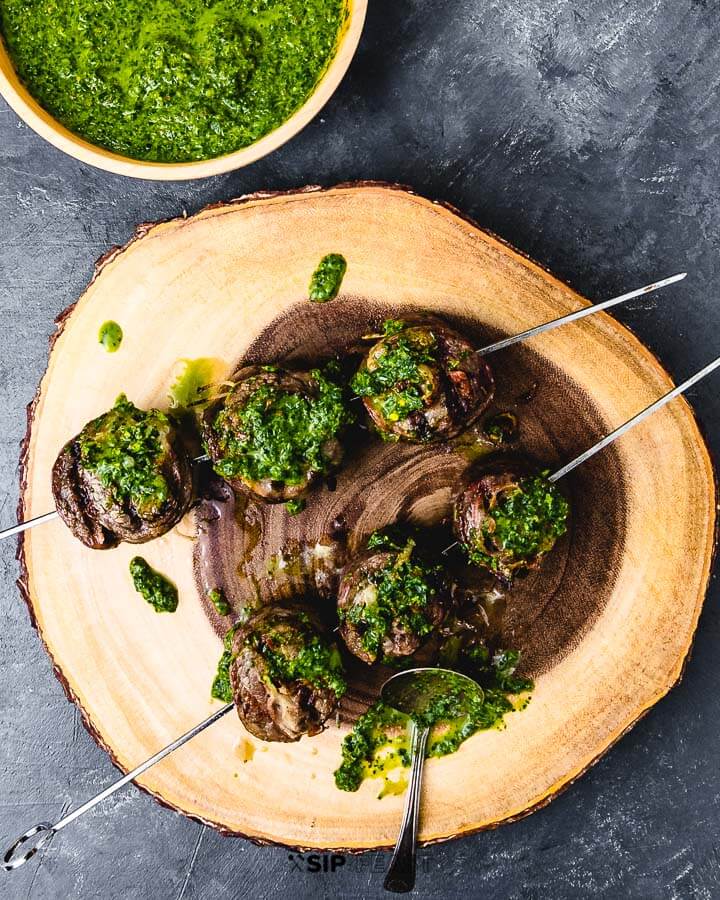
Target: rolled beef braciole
<point x="423" y="382"/>
<point x="286" y="674"/>
<point x="509" y="517"/>
<point x="276" y="432"/>
<point x="125" y="477"/>
<point x="390" y="601"/>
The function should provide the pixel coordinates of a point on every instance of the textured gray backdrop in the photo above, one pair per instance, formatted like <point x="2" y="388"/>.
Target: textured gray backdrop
<point x="585" y="134"/>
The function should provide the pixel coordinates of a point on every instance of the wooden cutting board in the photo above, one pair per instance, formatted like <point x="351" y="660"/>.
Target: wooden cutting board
<point x="616" y="617"/>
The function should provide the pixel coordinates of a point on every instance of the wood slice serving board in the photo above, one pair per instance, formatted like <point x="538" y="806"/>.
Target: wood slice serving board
<point x="606" y="628"/>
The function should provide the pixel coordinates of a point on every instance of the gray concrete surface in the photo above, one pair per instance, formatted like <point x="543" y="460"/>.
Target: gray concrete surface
<point x="587" y="135"/>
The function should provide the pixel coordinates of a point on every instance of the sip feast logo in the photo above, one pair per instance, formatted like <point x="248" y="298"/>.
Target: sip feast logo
<point x="315" y="863"/>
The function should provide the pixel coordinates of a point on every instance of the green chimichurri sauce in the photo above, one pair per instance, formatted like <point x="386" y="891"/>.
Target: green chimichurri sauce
<point x="171" y="80"/>
<point x="301" y="656"/>
<point x="398" y="378"/>
<point x="125" y="448"/>
<point x="396" y="596"/>
<point x="110" y="336"/>
<point x="160" y="593"/>
<point x="279" y="435"/>
<point x="219" y="601"/>
<point x="524" y="524"/>
<point x="327" y="278"/>
<point x="221" y="687"/>
<point x="193" y="387"/>
<point x="379" y="744"/>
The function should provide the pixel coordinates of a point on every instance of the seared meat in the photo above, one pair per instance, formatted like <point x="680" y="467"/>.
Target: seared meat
<point x="276" y="432"/>
<point x="125" y="477"/>
<point x="509" y="518"/>
<point x="286" y="675"/>
<point x="423" y="382"/>
<point x="389" y="602"/>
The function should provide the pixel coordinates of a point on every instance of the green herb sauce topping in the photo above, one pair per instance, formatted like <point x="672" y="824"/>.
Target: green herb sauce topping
<point x="327" y="278"/>
<point x="221" y="687"/>
<point x="396" y="596"/>
<point x="160" y="593"/>
<point x="525" y="523"/>
<point x="126" y="448"/>
<point x="278" y="435"/>
<point x="399" y="378"/>
<point x="172" y="80"/>
<point x="110" y="336"/>
<point x="315" y="661"/>
<point x="379" y="744"/>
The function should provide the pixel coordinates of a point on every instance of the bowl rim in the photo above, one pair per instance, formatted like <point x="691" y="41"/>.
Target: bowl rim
<point x="35" y="116"/>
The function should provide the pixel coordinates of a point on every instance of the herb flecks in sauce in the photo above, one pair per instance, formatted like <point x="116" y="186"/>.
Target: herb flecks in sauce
<point x="395" y="597"/>
<point x="279" y="435"/>
<point x="398" y="378"/>
<point x="110" y="336"/>
<point x="327" y="278"/>
<point x="160" y="593"/>
<point x="217" y="597"/>
<point x="305" y="656"/>
<point x="172" y="80"/>
<point x="295" y="507"/>
<point x="524" y="523"/>
<point x="380" y="741"/>
<point x="298" y="655"/>
<point x="221" y="687"/>
<point x="126" y="448"/>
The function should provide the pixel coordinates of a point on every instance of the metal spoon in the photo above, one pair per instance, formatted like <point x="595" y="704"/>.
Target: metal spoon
<point x="413" y="692"/>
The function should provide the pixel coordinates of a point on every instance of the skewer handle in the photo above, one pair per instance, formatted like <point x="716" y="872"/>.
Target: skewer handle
<point x="45" y="831"/>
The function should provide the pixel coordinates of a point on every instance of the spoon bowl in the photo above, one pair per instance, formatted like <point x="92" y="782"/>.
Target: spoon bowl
<point x="415" y="691"/>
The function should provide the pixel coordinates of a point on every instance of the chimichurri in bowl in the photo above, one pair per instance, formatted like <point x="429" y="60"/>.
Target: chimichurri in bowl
<point x="173" y="88"/>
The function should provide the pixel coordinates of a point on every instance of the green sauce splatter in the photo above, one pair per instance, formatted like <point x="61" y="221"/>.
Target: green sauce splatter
<point x="160" y="593"/>
<point x="295" y="507"/>
<point x="219" y="601"/>
<point x="172" y="80"/>
<point x="380" y="741"/>
<point x="126" y="448"/>
<point x="327" y="278"/>
<point x="110" y="336"/>
<point x="194" y="384"/>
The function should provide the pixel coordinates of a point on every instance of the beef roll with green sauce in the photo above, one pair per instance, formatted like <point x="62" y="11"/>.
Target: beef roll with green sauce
<point x="390" y="601"/>
<point x="286" y="674"/>
<point x="275" y="432"/>
<point x="125" y="477"/>
<point x="509" y="518"/>
<point x="423" y="382"/>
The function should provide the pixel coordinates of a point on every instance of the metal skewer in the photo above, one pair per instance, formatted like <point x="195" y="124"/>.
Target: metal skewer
<point x="44" y="831"/>
<point x="636" y="419"/>
<point x="579" y="314"/>
<point x="491" y="348"/>
<point x="623" y="429"/>
<point x="48" y="517"/>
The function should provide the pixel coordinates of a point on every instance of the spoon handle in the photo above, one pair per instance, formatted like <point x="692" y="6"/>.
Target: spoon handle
<point x="400" y="877"/>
